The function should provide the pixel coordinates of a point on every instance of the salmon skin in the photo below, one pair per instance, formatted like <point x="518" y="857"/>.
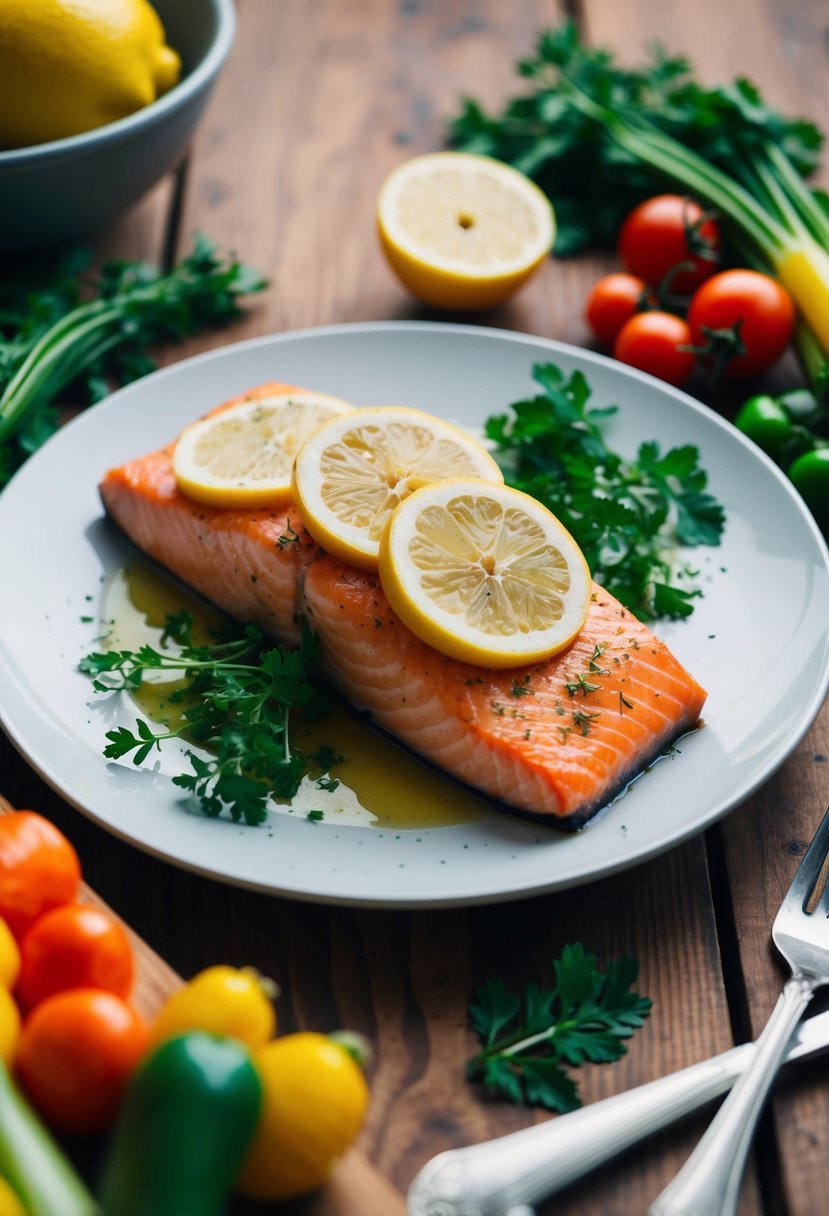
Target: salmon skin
<point x="557" y="740"/>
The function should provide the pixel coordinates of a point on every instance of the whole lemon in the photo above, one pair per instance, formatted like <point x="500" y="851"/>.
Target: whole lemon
<point x="67" y="66"/>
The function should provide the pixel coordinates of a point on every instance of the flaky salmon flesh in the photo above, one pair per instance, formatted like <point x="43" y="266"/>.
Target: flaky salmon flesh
<point x="557" y="739"/>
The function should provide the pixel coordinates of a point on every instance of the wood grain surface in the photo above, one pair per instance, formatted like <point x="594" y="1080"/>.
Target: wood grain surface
<point x="317" y="102"/>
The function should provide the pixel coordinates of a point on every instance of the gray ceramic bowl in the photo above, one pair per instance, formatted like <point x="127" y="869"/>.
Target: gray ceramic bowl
<point x="68" y="190"/>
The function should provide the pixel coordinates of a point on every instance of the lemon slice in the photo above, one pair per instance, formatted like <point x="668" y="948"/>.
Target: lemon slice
<point x="351" y="474"/>
<point x="243" y="456"/>
<point x="484" y="573"/>
<point x="463" y="231"/>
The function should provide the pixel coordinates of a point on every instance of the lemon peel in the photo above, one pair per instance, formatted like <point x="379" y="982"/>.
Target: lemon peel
<point x="68" y="67"/>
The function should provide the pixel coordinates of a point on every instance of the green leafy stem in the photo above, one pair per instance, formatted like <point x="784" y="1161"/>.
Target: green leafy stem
<point x="527" y="1043"/>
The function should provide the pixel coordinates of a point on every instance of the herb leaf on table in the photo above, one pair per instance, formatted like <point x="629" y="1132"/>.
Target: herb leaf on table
<point x="628" y="517"/>
<point x="61" y="329"/>
<point x="237" y="694"/>
<point x="529" y="1043"/>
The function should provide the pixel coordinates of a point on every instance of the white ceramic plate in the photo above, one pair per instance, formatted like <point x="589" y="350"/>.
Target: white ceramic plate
<point x="759" y="640"/>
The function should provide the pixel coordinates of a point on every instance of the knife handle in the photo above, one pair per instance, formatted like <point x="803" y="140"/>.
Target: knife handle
<point x="501" y="1175"/>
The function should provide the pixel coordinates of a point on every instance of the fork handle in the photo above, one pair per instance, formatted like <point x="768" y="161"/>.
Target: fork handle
<point x="709" y="1182"/>
<point x="492" y="1178"/>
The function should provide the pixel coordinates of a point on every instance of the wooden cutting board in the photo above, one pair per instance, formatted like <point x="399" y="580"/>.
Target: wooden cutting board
<point x="356" y="1189"/>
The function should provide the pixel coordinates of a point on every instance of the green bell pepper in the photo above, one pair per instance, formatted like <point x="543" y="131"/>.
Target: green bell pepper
<point x="185" y="1125"/>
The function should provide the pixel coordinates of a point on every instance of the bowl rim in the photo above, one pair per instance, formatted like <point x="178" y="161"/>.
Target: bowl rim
<point x="149" y="115"/>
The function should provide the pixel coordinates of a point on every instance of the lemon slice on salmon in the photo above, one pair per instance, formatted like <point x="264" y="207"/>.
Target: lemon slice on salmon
<point x="463" y="231"/>
<point x="484" y="573"/>
<point x="243" y="456"/>
<point x="351" y="474"/>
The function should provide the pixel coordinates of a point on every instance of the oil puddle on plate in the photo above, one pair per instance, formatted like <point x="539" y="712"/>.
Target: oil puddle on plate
<point x="377" y="784"/>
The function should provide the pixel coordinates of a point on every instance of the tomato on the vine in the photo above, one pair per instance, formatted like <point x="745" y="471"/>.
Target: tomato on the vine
<point x="614" y="299"/>
<point x="653" y="342"/>
<point x="758" y="306"/>
<point x="664" y="231"/>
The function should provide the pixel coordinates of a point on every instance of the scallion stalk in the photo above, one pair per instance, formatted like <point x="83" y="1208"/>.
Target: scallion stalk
<point x="781" y="219"/>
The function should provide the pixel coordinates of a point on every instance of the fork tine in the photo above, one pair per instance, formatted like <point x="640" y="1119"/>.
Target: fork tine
<point x="821" y="908"/>
<point x="811" y="863"/>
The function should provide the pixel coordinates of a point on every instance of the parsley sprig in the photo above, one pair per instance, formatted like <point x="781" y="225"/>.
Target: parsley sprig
<point x="527" y="1044"/>
<point x="628" y="516"/>
<point x="238" y="692"/>
<point x="62" y="328"/>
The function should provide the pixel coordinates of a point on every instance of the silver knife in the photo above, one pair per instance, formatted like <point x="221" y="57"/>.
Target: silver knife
<point x="501" y="1177"/>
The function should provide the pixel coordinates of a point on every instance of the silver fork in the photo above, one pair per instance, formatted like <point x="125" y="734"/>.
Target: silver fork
<point x="709" y="1182"/>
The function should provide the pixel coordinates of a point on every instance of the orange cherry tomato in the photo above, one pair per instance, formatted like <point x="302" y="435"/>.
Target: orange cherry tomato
<point x="74" y="947"/>
<point x="613" y="300"/>
<point x="39" y="869"/>
<point x="77" y="1051"/>
<point x="654" y="342"/>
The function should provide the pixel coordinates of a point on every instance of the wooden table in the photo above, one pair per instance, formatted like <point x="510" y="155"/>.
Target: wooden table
<point x="318" y="101"/>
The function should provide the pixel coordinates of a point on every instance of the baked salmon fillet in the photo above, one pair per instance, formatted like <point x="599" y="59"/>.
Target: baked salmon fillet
<point x="557" y="739"/>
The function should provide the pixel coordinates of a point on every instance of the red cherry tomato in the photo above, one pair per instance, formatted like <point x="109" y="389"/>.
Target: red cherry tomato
<point x="760" y="305"/>
<point x="664" y="231"/>
<point x="651" y="342"/>
<point x="74" y="947"/>
<point x="613" y="300"/>
<point x="39" y="869"/>
<point x="76" y="1054"/>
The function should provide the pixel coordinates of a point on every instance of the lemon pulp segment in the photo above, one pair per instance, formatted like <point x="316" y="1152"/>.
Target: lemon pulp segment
<point x="484" y="573"/>
<point x="243" y="456"/>
<point x="463" y="231"/>
<point x="355" y="470"/>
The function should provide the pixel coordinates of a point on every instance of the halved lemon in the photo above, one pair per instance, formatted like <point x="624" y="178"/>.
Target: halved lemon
<point x="463" y="231"/>
<point x="484" y="573"/>
<point x="351" y="474"/>
<point x="243" y="456"/>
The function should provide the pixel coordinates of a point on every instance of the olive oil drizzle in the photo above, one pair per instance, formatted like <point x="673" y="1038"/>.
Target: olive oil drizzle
<point x="376" y="784"/>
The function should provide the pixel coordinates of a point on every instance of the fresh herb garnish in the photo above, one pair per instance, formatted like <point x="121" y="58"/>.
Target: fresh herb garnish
<point x="592" y="181"/>
<point x="628" y="516"/>
<point x="328" y="784"/>
<point x="61" y="328"/>
<point x="580" y="684"/>
<point x="237" y="693"/>
<point x="527" y="1045"/>
<point x="598" y="651"/>
<point x="288" y="537"/>
<point x="582" y="718"/>
<point x="598" y="138"/>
